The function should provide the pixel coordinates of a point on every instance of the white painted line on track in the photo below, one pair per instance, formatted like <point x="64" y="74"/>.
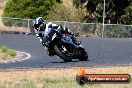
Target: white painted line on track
<point x="18" y="58"/>
<point x="28" y="56"/>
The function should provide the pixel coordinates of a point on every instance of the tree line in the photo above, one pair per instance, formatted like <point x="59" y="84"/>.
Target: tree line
<point x="116" y="12"/>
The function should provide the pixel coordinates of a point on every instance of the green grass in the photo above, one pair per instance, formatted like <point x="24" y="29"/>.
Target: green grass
<point x="24" y="83"/>
<point x="45" y="82"/>
<point x="11" y="52"/>
<point x="3" y="49"/>
<point x="8" y="52"/>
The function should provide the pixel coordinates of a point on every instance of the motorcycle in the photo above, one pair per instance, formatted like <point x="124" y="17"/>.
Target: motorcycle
<point x="64" y="47"/>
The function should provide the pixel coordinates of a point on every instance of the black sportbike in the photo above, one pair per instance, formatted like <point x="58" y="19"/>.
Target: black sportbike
<point x="64" y="47"/>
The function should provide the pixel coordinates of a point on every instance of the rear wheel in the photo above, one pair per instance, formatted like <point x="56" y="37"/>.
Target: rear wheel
<point x="61" y="54"/>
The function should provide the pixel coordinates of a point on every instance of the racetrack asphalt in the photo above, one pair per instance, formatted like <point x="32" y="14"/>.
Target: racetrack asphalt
<point x="102" y="52"/>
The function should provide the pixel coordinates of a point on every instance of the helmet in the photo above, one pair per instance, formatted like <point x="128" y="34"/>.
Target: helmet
<point x="38" y="24"/>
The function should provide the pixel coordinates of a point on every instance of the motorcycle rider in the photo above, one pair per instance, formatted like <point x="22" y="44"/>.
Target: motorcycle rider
<point x="43" y="28"/>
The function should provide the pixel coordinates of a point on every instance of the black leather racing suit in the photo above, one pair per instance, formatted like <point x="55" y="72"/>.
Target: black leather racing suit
<point x="41" y="33"/>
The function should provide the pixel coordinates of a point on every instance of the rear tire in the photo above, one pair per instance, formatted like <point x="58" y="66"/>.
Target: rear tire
<point x="61" y="55"/>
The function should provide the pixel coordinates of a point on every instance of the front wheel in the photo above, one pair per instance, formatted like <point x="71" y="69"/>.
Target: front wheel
<point x="62" y="55"/>
<point x="84" y="55"/>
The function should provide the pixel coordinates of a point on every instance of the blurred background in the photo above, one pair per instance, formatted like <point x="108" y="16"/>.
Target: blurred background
<point x="89" y="18"/>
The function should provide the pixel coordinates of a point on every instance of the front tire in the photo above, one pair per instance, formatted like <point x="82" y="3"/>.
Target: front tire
<point x="62" y="55"/>
<point x="84" y="56"/>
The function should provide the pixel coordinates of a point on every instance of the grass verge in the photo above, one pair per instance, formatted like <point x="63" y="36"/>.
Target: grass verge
<point x="6" y="53"/>
<point x="57" y="78"/>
